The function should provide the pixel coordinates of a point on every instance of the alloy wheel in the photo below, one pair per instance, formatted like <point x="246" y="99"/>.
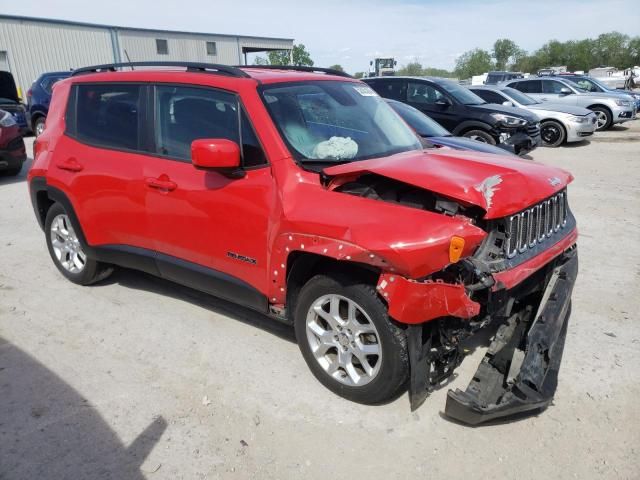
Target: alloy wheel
<point x="601" y="118"/>
<point x="344" y="340"/>
<point x="66" y="246"/>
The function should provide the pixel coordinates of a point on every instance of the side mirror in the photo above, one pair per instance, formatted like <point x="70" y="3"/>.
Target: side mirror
<point x="218" y="154"/>
<point x="507" y="103"/>
<point x="565" y="91"/>
<point x="444" y="102"/>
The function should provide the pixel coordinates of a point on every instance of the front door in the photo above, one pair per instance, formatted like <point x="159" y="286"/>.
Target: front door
<point x="434" y="102"/>
<point x="204" y="221"/>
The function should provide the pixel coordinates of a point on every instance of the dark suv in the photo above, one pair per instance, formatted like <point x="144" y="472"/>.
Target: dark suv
<point x="39" y="97"/>
<point x="304" y="196"/>
<point x="464" y="113"/>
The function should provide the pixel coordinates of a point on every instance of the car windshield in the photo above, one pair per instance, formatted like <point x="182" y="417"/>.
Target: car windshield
<point x="461" y="94"/>
<point x="423" y="125"/>
<point x="519" y="97"/>
<point x="336" y="122"/>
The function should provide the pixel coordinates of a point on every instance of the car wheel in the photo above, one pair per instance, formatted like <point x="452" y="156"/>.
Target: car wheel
<point x="348" y="340"/>
<point x="38" y="126"/>
<point x="603" y="118"/>
<point x="552" y="133"/>
<point x="67" y="252"/>
<point x="480" y="136"/>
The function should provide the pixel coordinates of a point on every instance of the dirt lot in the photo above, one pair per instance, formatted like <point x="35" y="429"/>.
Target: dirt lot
<point x="139" y="378"/>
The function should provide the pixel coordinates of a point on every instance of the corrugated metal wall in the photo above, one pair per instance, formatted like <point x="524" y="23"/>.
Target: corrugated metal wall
<point x="36" y="47"/>
<point x="141" y="46"/>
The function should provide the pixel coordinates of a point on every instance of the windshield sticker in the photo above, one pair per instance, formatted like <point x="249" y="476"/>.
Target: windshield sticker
<point x="365" y="91"/>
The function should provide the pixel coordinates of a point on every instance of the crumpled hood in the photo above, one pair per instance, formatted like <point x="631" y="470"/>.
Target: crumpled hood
<point x="500" y="185"/>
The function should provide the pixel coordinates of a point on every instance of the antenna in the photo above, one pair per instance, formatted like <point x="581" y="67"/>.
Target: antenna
<point x="126" y="54"/>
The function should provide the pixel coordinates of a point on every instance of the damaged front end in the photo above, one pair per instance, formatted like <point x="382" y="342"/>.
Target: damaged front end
<point x="520" y="282"/>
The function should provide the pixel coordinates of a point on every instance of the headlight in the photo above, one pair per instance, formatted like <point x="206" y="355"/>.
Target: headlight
<point x="623" y="103"/>
<point x="508" y="120"/>
<point x="575" y="119"/>
<point x="6" y="119"/>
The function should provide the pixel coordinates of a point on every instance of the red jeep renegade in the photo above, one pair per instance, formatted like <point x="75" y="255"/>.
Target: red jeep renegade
<point x="299" y="193"/>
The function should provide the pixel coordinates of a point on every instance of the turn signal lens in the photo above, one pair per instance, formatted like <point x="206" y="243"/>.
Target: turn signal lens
<point x="455" y="249"/>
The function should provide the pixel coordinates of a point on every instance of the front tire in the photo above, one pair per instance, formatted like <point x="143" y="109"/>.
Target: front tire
<point x="480" y="136"/>
<point x="552" y="133"/>
<point x="604" y="118"/>
<point x="348" y="340"/>
<point x="68" y="253"/>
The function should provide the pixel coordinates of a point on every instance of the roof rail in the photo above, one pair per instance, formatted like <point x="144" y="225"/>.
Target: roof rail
<point x="328" y="71"/>
<point x="190" y="66"/>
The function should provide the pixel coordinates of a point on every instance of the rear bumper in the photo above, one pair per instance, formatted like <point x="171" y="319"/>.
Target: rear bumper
<point x="520" y="370"/>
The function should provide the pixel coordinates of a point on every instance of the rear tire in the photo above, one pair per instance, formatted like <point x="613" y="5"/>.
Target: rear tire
<point x="552" y="133"/>
<point x="480" y="136"/>
<point x="68" y="253"/>
<point x="353" y="323"/>
<point x="604" y="118"/>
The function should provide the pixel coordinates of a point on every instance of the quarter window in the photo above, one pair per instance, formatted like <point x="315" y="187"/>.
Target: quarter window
<point x="108" y="115"/>
<point x="211" y="48"/>
<point x="393" y="89"/>
<point x="162" y="46"/>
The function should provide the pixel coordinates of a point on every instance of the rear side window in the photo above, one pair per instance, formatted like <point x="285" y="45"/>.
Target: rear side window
<point x="528" y="86"/>
<point x="393" y="89"/>
<point x="108" y="115"/>
<point x="423" y="93"/>
<point x="185" y="114"/>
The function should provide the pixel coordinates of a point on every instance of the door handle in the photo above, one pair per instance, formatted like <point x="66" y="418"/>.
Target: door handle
<point x="161" y="183"/>
<point x="70" y="164"/>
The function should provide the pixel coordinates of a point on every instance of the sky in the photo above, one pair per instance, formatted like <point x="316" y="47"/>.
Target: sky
<point x="351" y="33"/>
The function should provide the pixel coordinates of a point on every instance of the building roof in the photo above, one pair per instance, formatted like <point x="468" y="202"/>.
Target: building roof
<point x="118" y="27"/>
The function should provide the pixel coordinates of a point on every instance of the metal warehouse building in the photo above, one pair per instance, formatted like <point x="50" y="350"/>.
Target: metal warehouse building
<point x="31" y="46"/>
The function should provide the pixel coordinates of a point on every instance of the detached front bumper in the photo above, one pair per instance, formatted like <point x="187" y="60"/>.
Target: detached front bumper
<point x="521" y="143"/>
<point x="579" y="131"/>
<point x="519" y="373"/>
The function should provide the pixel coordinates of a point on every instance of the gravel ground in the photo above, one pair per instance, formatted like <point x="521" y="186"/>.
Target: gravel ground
<point x="139" y="378"/>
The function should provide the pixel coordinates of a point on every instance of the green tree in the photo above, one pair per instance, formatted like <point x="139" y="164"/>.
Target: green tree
<point x="359" y="74"/>
<point x="260" y="61"/>
<point x="473" y="62"/>
<point x="299" y="55"/>
<point x="413" y="69"/>
<point x="337" y="67"/>
<point x="505" y="51"/>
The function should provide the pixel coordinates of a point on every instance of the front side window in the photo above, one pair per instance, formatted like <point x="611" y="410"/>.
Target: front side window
<point x="108" y="115"/>
<point x="185" y="114"/>
<point x="423" y="93"/>
<point x="460" y="93"/>
<point x="162" y="46"/>
<point x="336" y="122"/>
<point x="551" y="86"/>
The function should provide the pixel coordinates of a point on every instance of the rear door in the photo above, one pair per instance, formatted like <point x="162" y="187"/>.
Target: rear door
<point x="98" y="163"/>
<point x="435" y="102"/>
<point x="207" y="227"/>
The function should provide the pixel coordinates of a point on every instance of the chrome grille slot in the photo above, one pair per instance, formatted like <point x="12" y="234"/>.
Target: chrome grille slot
<point x="536" y="224"/>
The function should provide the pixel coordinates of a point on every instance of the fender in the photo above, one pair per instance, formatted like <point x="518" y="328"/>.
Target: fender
<point x="467" y="124"/>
